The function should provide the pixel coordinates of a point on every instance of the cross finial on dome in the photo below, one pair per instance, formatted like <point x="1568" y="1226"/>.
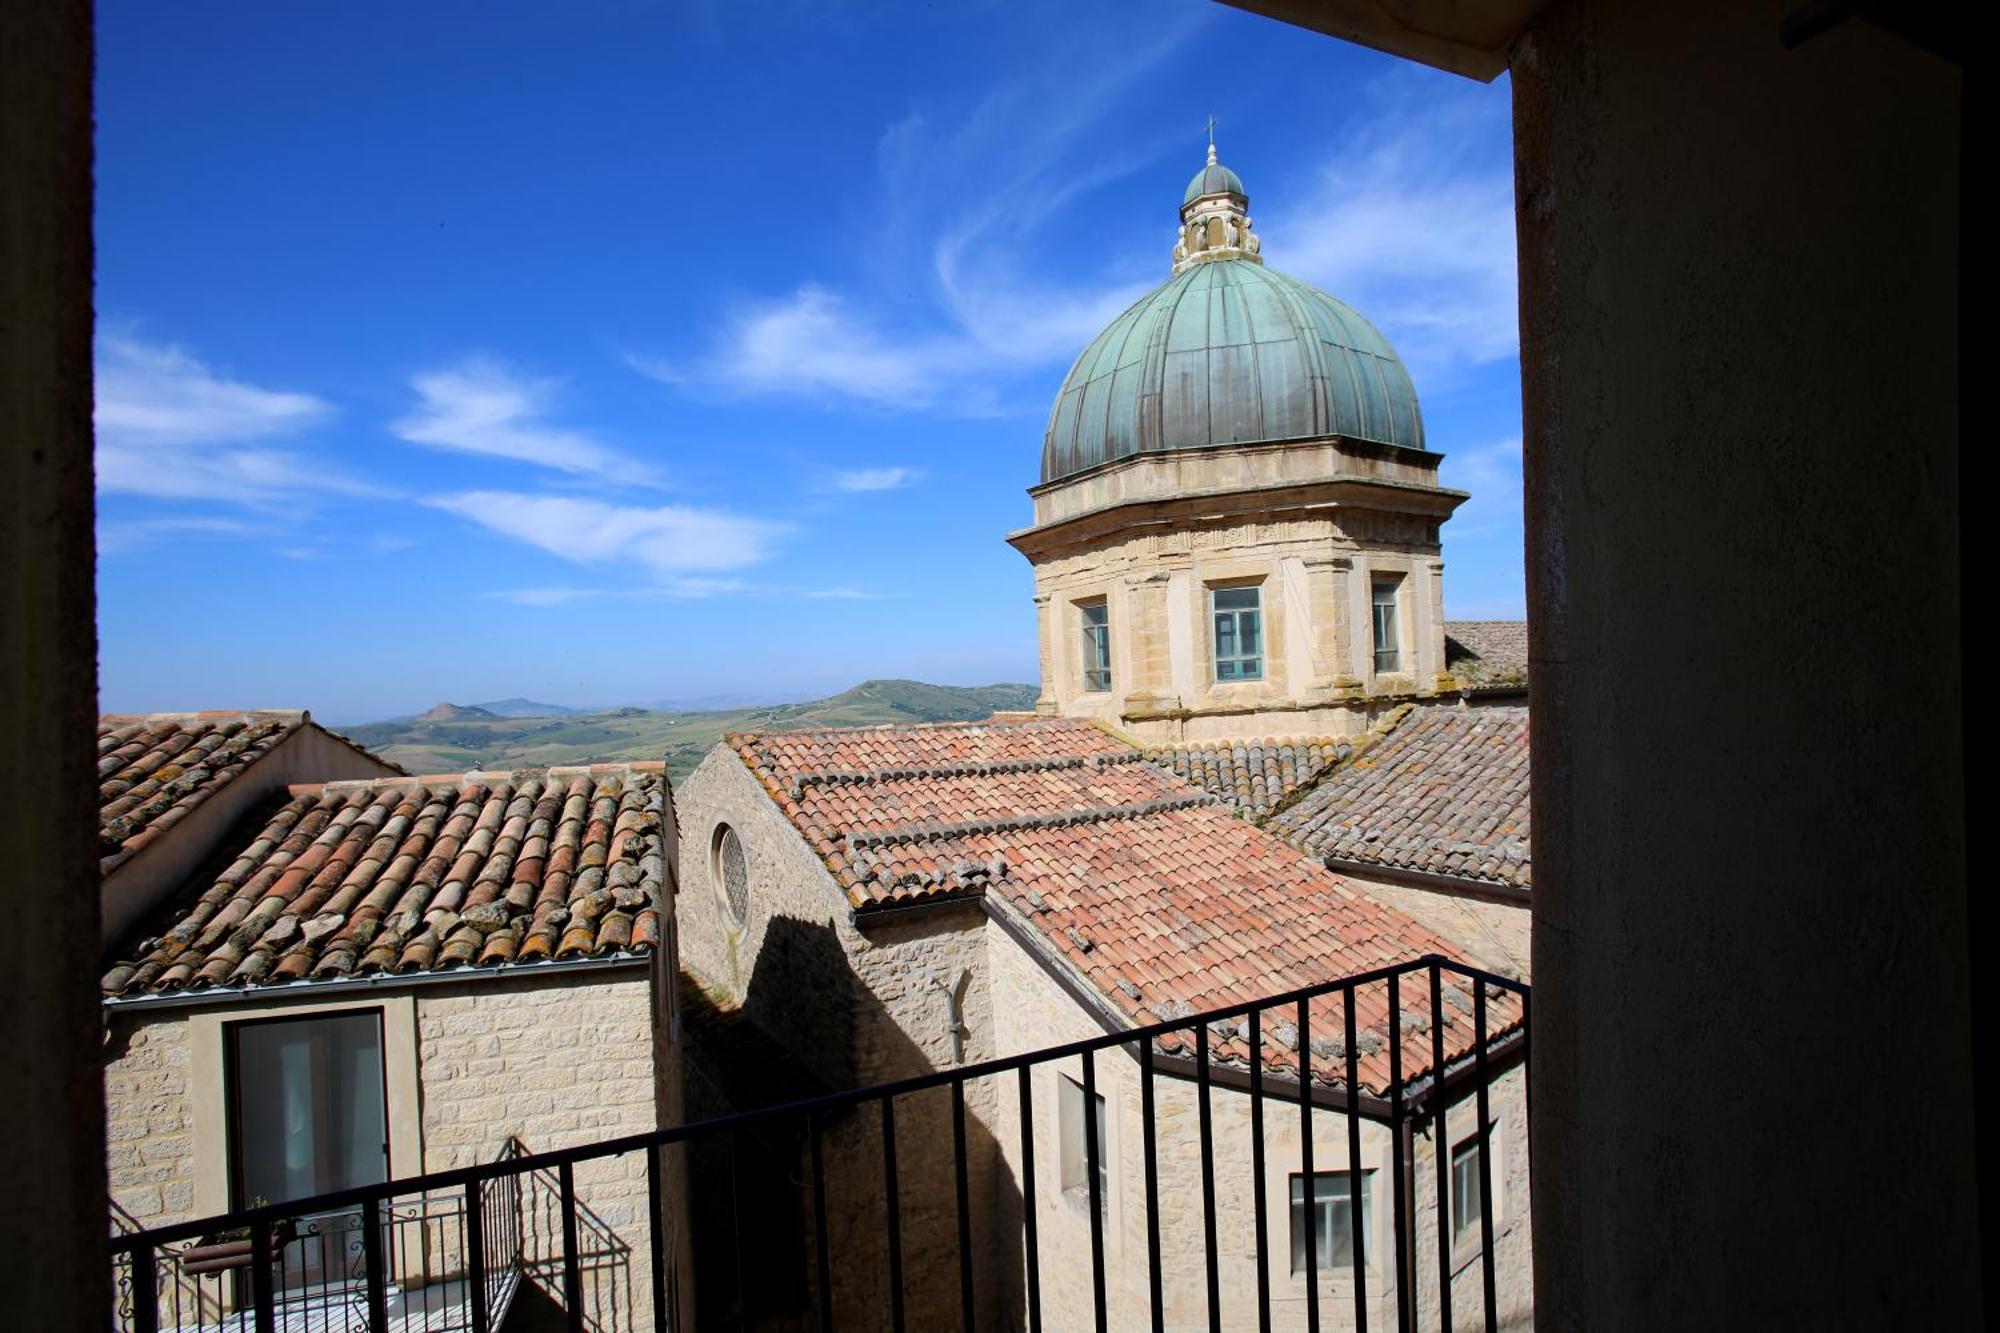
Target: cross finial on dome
<point x="1211" y="140"/>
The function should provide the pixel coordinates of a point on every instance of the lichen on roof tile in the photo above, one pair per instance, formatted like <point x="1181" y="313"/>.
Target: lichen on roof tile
<point x="410" y="875"/>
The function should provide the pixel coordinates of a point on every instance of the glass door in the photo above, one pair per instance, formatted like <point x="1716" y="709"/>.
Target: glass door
<point x="310" y="1117"/>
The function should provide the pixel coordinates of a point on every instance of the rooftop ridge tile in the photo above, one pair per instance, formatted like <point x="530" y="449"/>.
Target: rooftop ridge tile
<point x="1054" y="819"/>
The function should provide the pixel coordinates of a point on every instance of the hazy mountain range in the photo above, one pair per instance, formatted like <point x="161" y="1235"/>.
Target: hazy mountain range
<point x="521" y="733"/>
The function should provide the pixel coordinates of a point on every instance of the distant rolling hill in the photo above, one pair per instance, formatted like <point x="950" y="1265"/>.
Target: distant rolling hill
<point x="453" y="738"/>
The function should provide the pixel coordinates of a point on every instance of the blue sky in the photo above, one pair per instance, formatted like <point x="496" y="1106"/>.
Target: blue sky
<point x="627" y="352"/>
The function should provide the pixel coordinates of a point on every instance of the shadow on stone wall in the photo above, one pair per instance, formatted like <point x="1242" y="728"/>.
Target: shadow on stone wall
<point x="805" y="1014"/>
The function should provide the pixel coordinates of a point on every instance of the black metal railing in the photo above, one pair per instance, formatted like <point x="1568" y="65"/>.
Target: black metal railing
<point x="383" y="1260"/>
<point x="1399" y="1046"/>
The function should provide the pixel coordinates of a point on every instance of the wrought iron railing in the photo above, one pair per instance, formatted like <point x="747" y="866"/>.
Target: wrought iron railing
<point x="1397" y="1047"/>
<point x="394" y="1260"/>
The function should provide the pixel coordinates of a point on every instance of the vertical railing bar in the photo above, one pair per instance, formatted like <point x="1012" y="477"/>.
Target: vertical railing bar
<point x="1405" y="1321"/>
<point x="966" y="1313"/>
<point x="1093" y="1162"/>
<point x="475" y="1257"/>
<point x="572" y="1273"/>
<point x="655" y="1227"/>
<point x="1484" y="1111"/>
<point x="145" y="1289"/>
<point x="374" y="1270"/>
<point x="1528" y="1075"/>
<point x="1026" y="1089"/>
<point x="1356" y="1214"/>
<point x="892" y="1200"/>
<point x="822" y="1252"/>
<point x="1442" y="1146"/>
<point x="261" y="1296"/>
<point x="1149" y="1133"/>
<point x="736" y="1226"/>
<point x="1257" y="1188"/>
<point x="1211" y="1269"/>
<point x="1306" y="1165"/>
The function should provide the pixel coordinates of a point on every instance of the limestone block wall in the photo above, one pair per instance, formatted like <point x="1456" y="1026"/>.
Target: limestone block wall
<point x="149" y="1132"/>
<point x="1493" y="935"/>
<point x="905" y="996"/>
<point x="1032" y="1010"/>
<point x="1314" y="574"/>
<point x="556" y="1064"/>
<point x="557" y="1061"/>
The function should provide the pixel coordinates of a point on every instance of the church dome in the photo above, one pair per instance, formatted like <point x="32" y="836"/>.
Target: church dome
<point x="1227" y="352"/>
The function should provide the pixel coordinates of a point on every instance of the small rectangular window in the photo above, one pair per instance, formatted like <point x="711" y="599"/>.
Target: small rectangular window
<point x="1239" y="639"/>
<point x="1332" y="1220"/>
<point x="1388" y="633"/>
<point x="1468" y="1203"/>
<point x="1075" y="1162"/>
<point x="1096" y="618"/>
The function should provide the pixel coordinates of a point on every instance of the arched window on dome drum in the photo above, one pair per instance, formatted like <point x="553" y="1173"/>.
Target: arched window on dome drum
<point x="1237" y="615"/>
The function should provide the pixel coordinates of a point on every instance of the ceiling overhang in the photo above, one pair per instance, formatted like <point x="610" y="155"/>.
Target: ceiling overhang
<point x="1469" y="37"/>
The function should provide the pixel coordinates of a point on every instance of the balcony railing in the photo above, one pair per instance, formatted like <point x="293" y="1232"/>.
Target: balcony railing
<point x="866" y="1157"/>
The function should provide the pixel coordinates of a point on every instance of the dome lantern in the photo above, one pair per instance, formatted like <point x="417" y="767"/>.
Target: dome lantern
<point x="1215" y="218"/>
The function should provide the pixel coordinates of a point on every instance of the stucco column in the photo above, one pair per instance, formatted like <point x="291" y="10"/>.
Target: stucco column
<point x="1740" y="294"/>
<point x="1148" y="660"/>
<point x="52" y="1230"/>
<point x="1430" y="625"/>
<point x="1326" y="594"/>
<point x="1050" y="702"/>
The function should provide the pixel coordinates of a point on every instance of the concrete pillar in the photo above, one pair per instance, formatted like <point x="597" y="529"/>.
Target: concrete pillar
<point x="1752" y="1057"/>
<point x="53" y="1226"/>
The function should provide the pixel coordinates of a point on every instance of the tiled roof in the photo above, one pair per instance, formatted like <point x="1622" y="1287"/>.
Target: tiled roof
<point x="1253" y="776"/>
<point x="153" y="770"/>
<point x="1486" y="652"/>
<point x="1445" y="792"/>
<point x="419" y="874"/>
<point x="1150" y="889"/>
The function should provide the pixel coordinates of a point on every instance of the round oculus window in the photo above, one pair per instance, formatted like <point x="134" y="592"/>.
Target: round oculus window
<point x="732" y="872"/>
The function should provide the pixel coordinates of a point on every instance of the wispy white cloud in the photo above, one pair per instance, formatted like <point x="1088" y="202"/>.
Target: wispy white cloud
<point x="971" y="199"/>
<point x="544" y="596"/>
<point x="689" y="588"/>
<point x="171" y="426"/>
<point x="875" y="479"/>
<point x="124" y="536"/>
<point x="480" y="406"/>
<point x="1492" y="472"/>
<point x="812" y="342"/>
<point x="1411" y="221"/>
<point x="668" y="541"/>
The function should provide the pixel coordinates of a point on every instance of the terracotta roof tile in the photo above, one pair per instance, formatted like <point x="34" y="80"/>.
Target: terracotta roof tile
<point x="1149" y="888"/>
<point x="414" y="874"/>
<point x="1253" y="776"/>
<point x="153" y="770"/>
<point x="1486" y="652"/>
<point x="1445" y="792"/>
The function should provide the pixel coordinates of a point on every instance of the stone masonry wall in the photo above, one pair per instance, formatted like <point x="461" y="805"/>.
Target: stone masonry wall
<point x="149" y="1141"/>
<point x="1032" y="1011"/>
<point x="1494" y="935"/>
<point x="556" y="1061"/>
<point x="855" y="1007"/>
<point x="556" y="1064"/>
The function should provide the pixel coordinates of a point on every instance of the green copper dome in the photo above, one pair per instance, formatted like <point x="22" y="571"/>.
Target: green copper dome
<point x="1212" y="179"/>
<point x="1228" y="352"/>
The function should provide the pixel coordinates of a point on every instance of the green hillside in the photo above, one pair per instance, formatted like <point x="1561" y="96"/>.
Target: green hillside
<point x="448" y="739"/>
